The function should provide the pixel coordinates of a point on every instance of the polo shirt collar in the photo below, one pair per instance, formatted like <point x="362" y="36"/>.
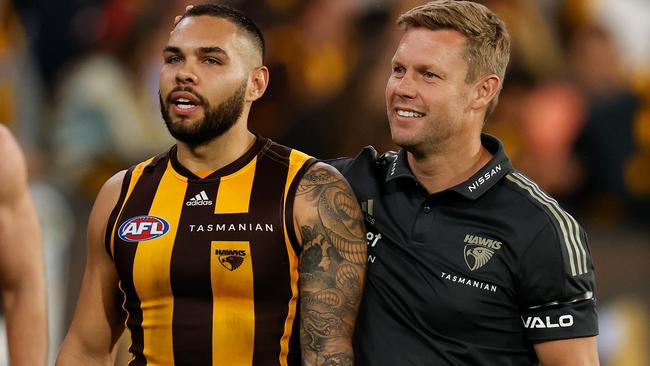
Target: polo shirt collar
<point x="476" y="185"/>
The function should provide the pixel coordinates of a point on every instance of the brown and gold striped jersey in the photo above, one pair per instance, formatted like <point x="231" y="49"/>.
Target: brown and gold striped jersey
<point x="209" y="267"/>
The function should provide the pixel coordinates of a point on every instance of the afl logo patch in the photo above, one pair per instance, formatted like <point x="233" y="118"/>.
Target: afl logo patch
<point x="143" y="228"/>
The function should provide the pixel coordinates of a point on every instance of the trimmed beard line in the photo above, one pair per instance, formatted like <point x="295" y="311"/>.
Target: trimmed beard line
<point x="216" y="121"/>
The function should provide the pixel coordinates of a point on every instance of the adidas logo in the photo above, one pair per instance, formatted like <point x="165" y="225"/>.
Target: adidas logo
<point x="200" y="199"/>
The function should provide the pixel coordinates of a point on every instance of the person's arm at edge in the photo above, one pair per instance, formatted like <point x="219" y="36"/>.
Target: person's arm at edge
<point x="98" y="320"/>
<point x="329" y="226"/>
<point x="568" y="352"/>
<point x="22" y="269"/>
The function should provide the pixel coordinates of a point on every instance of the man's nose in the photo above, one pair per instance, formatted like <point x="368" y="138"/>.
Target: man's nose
<point x="406" y="87"/>
<point x="186" y="75"/>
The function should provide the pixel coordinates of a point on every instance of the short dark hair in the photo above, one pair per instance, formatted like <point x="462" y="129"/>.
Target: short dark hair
<point x="237" y="17"/>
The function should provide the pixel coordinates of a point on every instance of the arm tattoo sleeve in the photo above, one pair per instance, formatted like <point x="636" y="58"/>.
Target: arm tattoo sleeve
<point x="332" y="268"/>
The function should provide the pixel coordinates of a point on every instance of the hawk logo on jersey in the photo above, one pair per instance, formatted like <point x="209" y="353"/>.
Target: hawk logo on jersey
<point x="478" y="251"/>
<point x="231" y="259"/>
<point x="142" y="228"/>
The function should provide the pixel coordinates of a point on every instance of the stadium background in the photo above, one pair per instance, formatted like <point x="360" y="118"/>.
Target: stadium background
<point x="78" y="85"/>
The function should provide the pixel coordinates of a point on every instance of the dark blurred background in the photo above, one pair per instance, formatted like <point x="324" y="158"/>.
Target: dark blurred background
<point x="79" y="84"/>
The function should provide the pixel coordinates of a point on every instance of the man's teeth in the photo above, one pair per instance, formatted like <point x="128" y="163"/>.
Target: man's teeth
<point x="409" y="114"/>
<point x="184" y="103"/>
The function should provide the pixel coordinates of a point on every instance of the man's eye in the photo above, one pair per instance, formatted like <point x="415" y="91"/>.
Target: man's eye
<point x="212" y="61"/>
<point x="398" y="70"/>
<point x="173" y="59"/>
<point x="429" y="75"/>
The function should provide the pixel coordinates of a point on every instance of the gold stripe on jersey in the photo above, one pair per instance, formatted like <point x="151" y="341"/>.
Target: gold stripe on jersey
<point x="297" y="160"/>
<point x="152" y="259"/>
<point x="235" y="191"/>
<point x="233" y="316"/>
<point x="135" y="175"/>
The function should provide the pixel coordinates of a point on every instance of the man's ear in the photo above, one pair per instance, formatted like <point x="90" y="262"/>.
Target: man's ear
<point x="485" y="90"/>
<point x="258" y="82"/>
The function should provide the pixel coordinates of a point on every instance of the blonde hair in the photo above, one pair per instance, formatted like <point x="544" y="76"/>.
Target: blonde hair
<point x="488" y="41"/>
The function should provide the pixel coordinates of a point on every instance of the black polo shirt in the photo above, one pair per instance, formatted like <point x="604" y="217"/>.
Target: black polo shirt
<point x="469" y="276"/>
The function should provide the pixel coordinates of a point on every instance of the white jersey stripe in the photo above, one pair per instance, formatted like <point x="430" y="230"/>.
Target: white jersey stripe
<point x="204" y="196"/>
<point x="515" y="180"/>
<point x="574" y="228"/>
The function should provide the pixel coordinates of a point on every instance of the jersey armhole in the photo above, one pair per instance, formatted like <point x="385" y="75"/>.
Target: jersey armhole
<point x="112" y="219"/>
<point x="288" y="212"/>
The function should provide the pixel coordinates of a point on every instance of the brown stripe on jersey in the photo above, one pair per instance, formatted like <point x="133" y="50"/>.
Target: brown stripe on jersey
<point x="151" y="271"/>
<point x="109" y="231"/>
<point x="124" y="255"/>
<point x="191" y="280"/>
<point x="273" y="292"/>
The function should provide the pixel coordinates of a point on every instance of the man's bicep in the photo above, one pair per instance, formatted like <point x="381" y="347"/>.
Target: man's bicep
<point x="20" y="238"/>
<point x="332" y="261"/>
<point x="568" y="352"/>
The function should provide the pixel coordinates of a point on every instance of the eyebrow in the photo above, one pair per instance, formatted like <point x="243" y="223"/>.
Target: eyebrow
<point x="200" y="51"/>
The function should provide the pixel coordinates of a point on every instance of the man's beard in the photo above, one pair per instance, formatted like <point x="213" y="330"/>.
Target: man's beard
<point x="217" y="120"/>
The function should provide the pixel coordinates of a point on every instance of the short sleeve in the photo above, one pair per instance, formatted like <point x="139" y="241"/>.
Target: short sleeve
<point x="556" y="284"/>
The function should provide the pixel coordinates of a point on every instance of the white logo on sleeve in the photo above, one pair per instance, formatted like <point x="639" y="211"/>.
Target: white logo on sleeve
<point x="536" y="322"/>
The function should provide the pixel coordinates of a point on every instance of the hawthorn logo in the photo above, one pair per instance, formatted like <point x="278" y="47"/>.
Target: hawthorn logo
<point x="478" y="251"/>
<point x="230" y="259"/>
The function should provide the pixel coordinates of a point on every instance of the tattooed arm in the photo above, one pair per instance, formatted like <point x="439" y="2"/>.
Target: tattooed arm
<point x="332" y="265"/>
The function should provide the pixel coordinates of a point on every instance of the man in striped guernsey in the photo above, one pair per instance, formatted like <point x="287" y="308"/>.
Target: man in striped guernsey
<point x="228" y="249"/>
<point x="470" y="262"/>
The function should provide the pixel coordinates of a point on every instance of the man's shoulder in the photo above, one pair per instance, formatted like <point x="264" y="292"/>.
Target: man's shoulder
<point x="539" y="215"/>
<point x="368" y="161"/>
<point x="13" y="171"/>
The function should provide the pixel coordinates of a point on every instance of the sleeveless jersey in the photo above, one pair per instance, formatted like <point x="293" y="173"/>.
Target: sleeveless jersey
<point x="209" y="267"/>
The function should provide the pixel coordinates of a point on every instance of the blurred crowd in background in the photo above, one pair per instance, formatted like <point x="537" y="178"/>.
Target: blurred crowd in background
<point x="79" y="88"/>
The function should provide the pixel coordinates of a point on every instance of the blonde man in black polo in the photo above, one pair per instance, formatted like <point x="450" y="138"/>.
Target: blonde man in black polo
<point x="470" y="262"/>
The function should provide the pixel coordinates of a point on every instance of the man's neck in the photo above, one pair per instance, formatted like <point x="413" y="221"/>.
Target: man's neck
<point x="217" y="153"/>
<point x="448" y="164"/>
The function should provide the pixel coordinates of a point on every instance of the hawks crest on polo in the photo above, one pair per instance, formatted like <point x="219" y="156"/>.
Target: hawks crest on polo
<point x="143" y="228"/>
<point x="479" y="250"/>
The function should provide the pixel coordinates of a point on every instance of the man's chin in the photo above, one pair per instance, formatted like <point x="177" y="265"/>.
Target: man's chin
<point x="402" y="140"/>
<point x="185" y="119"/>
